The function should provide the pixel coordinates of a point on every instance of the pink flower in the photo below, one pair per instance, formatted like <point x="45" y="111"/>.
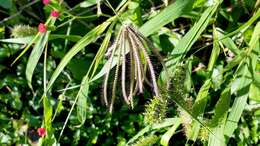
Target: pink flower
<point x="45" y="2"/>
<point x="55" y="13"/>
<point x="41" y="132"/>
<point x="41" y="28"/>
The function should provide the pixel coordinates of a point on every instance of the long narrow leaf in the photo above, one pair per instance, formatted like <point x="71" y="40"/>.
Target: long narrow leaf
<point x="82" y="102"/>
<point x="87" y="39"/>
<point x="27" y="40"/>
<point x="243" y="27"/>
<point x="190" y="38"/>
<point x="219" y="119"/>
<point x="35" y="56"/>
<point x="166" y="123"/>
<point x="169" y="14"/>
<point x="242" y="89"/>
<point x="239" y="103"/>
<point x="48" y="121"/>
<point x="229" y="43"/>
<point x="215" y="51"/>
<point x="167" y="136"/>
<point x="198" y="108"/>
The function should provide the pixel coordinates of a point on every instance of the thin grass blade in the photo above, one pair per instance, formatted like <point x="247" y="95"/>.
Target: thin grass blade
<point x="167" y="136"/>
<point x="35" y="56"/>
<point x="244" y="81"/>
<point x="169" y="14"/>
<point x="87" y="39"/>
<point x="190" y="38"/>
<point x="165" y="123"/>
<point x="219" y="119"/>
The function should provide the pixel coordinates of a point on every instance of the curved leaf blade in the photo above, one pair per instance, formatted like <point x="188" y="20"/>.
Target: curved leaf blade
<point x="167" y="136"/>
<point x="169" y="14"/>
<point x="87" y="39"/>
<point x="35" y="56"/>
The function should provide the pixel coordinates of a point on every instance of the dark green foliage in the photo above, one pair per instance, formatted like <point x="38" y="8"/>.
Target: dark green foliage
<point x="180" y="72"/>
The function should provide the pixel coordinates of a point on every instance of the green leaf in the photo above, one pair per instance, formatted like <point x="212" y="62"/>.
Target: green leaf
<point x="215" y="51"/>
<point x="35" y="56"/>
<point x="165" y="123"/>
<point x="228" y="42"/>
<point x="72" y="38"/>
<point x="235" y="61"/>
<point x="219" y="119"/>
<point x="198" y="108"/>
<point x="100" y="54"/>
<point x="190" y="38"/>
<point x="47" y="112"/>
<point x="243" y="27"/>
<point x="167" y="136"/>
<point x="238" y="105"/>
<point x="23" y="40"/>
<point x="221" y="108"/>
<point x="217" y="77"/>
<point x="242" y="84"/>
<point x="47" y="107"/>
<point x="87" y="3"/>
<point x="254" y="92"/>
<point x="7" y="4"/>
<point x="201" y="99"/>
<point x="27" y="40"/>
<point x="219" y="132"/>
<point x="169" y="14"/>
<point x="82" y="105"/>
<point x="87" y="39"/>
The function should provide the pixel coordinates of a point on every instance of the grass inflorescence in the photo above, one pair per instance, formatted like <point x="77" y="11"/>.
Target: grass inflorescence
<point x="129" y="39"/>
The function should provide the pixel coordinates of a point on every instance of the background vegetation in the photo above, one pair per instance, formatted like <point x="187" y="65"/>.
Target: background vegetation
<point x="205" y="55"/>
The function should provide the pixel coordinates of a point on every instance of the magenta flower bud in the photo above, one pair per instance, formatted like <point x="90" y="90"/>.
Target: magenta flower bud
<point x="41" y="28"/>
<point x="45" y="2"/>
<point x="55" y="13"/>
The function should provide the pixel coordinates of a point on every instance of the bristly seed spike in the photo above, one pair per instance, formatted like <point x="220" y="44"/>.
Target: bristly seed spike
<point x="138" y="41"/>
<point x="138" y="61"/>
<point x="109" y="67"/>
<point x="123" y="67"/>
<point x="116" y="76"/>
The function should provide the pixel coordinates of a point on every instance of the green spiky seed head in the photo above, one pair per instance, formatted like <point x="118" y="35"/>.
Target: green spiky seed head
<point x="146" y="140"/>
<point x="186" y="121"/>
<point x="155" y="111"/>
<point x="23" y="31"/>
<point x="203" y="134"/>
